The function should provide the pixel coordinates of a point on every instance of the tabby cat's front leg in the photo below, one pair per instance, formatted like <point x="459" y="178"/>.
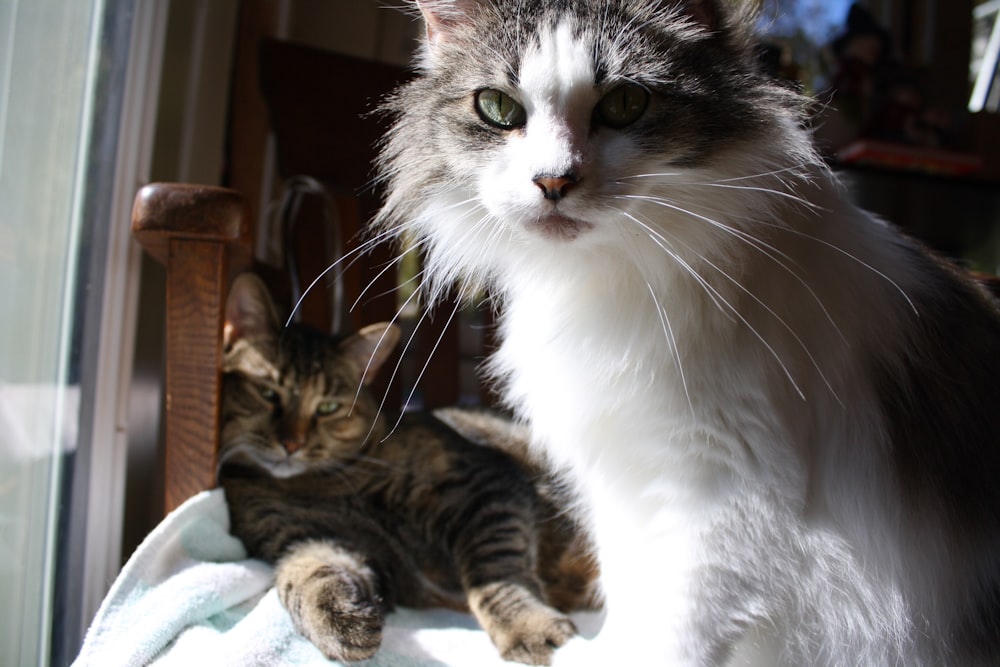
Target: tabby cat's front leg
<point x="333" y="598"/>
<point x="496" y="554"/>
<point x="522" y="627"/>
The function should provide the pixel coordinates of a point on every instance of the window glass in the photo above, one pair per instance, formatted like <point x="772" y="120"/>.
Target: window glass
<point x="985" y="56"/>
<point x="47" y="69"/>
<point x="799" y="33"/>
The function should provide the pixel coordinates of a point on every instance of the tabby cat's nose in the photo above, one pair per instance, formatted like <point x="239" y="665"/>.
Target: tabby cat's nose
<point x="291" y="446"/>
<point x="555" y="188"/>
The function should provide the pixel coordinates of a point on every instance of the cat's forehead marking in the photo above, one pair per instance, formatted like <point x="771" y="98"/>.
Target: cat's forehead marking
<point x="557" y="68"/>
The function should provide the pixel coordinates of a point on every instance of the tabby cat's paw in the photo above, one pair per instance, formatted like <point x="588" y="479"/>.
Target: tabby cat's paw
<point x="523" y="628"/>
<point x="347" y="635"/>
<point x="534" y="637"/>
<point x="338" y="611"/>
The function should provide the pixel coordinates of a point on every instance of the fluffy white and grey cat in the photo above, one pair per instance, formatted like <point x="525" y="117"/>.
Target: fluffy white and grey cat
<point x="781" y="413"/>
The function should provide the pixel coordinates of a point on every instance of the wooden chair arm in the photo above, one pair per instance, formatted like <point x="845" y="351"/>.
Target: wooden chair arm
<point x="202" y="235"/>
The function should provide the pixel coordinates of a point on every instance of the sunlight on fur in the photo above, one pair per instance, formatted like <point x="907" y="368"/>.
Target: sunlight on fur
<point x="775" y="407"/>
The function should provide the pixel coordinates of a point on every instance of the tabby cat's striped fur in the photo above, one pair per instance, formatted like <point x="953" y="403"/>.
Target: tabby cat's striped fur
<point x="358" y="519"/>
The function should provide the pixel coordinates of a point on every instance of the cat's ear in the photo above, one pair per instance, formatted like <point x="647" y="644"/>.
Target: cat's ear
<point x="704" y="12"/>
<point x="441" y="16"/>
<point x="250" y="311"/>
<point x="369" y="348"/>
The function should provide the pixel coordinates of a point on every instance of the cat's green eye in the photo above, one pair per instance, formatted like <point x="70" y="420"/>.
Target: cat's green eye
<point x="623" y="105"/>
<point x="267" y="393"/>
<point x="327" y="408"/>
<point x="500" y="110"/>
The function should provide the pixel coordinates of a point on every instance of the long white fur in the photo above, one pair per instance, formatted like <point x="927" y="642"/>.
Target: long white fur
<point x="718" y="527"/>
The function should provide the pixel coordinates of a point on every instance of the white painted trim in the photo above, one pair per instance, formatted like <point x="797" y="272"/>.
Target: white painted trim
<point x="201" y="154"/>
<point x="106" y="488"/>
<point x="69" y="310"/>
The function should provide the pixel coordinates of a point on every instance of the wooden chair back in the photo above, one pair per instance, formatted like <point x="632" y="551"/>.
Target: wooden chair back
<point x="202" y="236"/>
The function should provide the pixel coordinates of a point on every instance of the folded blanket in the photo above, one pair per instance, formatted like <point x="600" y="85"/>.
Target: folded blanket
<point x="190" y="596"/>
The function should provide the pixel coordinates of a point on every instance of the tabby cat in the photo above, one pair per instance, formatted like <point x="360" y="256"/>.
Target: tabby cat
<point x="359" y="519"/>
<point x="780" y="414"/>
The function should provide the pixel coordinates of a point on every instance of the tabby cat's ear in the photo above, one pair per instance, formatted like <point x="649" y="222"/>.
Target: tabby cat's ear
<point x="705" y="12"/>
<point x="250" y="311"/>
<point x="369" y="348"/>
<point x="441" y="16"/>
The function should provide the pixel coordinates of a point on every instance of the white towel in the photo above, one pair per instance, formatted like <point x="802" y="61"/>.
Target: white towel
<point x="190" y="596"/>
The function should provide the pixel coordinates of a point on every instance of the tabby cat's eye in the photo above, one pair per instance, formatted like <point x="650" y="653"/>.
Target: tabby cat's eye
<point x="267" y="393"/>
<point x="327" y="408"/>
<point x="623" y="105"/>
<point x="500" y="109"/>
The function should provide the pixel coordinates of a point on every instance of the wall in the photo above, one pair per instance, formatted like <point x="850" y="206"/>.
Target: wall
<point x="362" y="28"/>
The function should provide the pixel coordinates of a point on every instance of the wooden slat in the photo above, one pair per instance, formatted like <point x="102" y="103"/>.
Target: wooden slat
<point x="202" y="235"/>
<point x="195" y="303"/>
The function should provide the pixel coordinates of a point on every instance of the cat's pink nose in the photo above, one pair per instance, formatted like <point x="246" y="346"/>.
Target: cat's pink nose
<point x="555" y="188"/>
<point x="291" y="446"/>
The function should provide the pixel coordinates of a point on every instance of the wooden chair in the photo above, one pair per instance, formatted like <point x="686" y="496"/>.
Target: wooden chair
<point x="202" y="235"/>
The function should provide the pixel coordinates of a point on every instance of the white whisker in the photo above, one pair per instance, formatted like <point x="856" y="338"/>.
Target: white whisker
<point x="796" y="169"/>
<point x="669" y="333"/>
<point x="430" y="355"/>
<point x="368" y="366"/>
<point x="854" y="258"/>
<point x="733" y="309"/>
<point x="353" y="253"/>
<point x="657" y="238"/>
<point x="399" y="363"/>
<point x="761" y="246"/>
<point x="390" y="265"/>
<point x="778" y="193"/>
<point x="431" y="296"/>
<point x="787" y="328"/>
